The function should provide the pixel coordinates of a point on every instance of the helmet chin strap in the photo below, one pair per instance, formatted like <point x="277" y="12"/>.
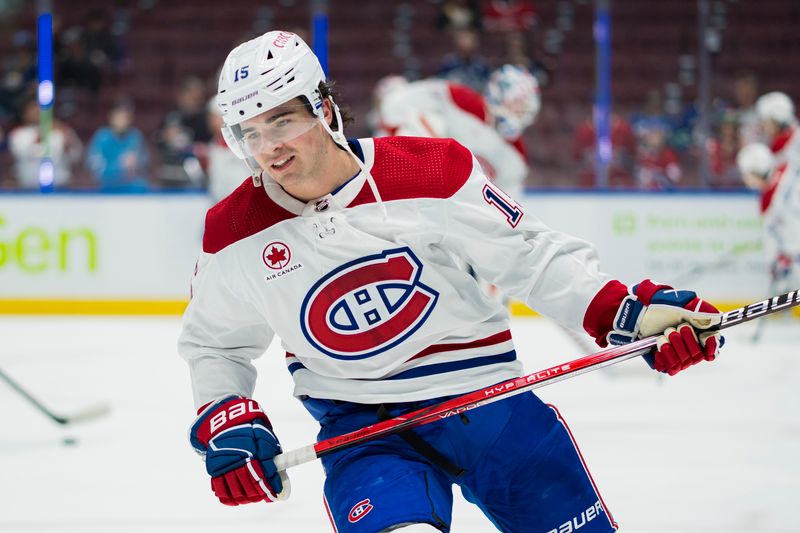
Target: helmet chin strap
<point x="339" y="138"/>
<point x="256" y="169"/>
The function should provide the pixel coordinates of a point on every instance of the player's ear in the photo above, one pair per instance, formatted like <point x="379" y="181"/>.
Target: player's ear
<point x="327" y="111"/>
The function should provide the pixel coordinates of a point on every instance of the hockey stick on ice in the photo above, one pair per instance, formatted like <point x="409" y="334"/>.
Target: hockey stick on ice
<point x="88" y="413"/>
<point x="509" y="388"/>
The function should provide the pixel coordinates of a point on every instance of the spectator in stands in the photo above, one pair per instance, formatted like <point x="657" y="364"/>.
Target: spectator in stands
<point x="465" y="65"/>
<point x="540" y="65"/>
<point x="459" y="15"/>
<point x="722" y="149"/>
<point x="184" y="127"/>
<point x="623" y="142"/>
<point x="103" y="48"/>
<point x="18" y="74"/>
<point x="27" y="149"/>
<point x="745" y="92"/>
<point x="652" y="115"/>
<point x="509" y="15"/>
<point x="657" y="165"/>
<point x="190" y="111"/>
<point x="74" y="67"/>
<point x="117" y="156"/>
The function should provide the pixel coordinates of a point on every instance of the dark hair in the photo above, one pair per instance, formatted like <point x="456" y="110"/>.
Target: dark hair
<point x="328" y="90"/>
<point x="123" y="103"/>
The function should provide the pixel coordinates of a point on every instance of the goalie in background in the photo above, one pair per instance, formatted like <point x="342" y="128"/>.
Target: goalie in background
<point x="490" y="124"/>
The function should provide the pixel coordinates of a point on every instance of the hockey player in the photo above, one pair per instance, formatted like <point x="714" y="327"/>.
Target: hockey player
<point x="779" y="185"/>
<point x="775" y="110"/>
<point x="344" y="250"/>
<point x="490" y="127"/>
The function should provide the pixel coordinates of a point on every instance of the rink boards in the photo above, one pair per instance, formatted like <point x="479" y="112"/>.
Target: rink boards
<point x="134" y="254"/>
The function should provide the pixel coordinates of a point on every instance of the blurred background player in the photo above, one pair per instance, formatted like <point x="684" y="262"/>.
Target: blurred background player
<point x="775" y="111"/>
<point x="344" y="250"/>
<point x="779" y="185"/>
<point x="490" y="125"/>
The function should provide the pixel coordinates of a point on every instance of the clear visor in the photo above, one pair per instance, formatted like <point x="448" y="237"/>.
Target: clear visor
<point x="264" y="133"/>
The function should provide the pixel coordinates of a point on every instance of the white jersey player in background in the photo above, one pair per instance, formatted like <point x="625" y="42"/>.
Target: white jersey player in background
<point x="489" y="126"/>
<point x="779" y="185"/>
<point x="776" y="114"/>
<point x="344" y="250"/>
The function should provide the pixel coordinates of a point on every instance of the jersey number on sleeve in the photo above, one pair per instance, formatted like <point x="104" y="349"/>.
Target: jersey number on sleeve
<point x="511" y="210"/>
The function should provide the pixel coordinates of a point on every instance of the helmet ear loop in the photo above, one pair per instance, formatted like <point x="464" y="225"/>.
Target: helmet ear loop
<point x="338" y="135"/>
<point x="256" y="169"/>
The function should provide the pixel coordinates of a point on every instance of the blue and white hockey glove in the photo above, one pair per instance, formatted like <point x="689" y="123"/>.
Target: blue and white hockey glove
<point x="236" y="439"/>
<point x="618" y="316"/>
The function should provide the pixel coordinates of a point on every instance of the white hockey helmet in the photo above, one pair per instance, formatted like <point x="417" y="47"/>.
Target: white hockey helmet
<point x="755" y="158"/>
<point x="387" y="85"/>
<point x="264" y="73"/>
<point x="513" y="97"/>
<point x="776" y="106"/>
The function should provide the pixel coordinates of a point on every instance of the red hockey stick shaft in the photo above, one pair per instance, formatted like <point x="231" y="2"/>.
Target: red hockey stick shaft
<point x="511" y="387"/>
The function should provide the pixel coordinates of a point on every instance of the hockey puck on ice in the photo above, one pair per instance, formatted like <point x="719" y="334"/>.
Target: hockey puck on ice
<point x="69" y="441"/>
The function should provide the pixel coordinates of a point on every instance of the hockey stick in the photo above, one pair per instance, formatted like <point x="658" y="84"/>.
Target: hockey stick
<point x="759" y="329"/>
<point x="512" y="387"/>
<point x="88" y="413"/>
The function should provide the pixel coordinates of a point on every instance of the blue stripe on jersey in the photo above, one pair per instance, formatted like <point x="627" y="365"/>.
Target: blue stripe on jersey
<point x="440" y="368"/>
<point x="294" y="367"/>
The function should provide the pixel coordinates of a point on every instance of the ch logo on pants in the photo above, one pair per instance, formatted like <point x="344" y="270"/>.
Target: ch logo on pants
<point x="367" y="306"/>
<point x="359" y="511"/>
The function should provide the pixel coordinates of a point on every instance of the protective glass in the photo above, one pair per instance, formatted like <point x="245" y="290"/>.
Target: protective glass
<point x="259" y="136"/>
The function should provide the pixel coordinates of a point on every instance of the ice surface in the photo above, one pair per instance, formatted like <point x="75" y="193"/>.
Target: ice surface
<point x="711" y="450"/>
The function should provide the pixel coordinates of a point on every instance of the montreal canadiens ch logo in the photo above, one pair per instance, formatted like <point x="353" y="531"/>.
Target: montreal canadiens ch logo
<point x="359" y="511"/>
<point x="367" y="306"/>
<point x="276" y="255"/>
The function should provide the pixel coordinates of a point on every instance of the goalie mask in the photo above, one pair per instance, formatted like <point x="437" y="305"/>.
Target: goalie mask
<point x="512" y="94"/>
<point x="260" y="75"/>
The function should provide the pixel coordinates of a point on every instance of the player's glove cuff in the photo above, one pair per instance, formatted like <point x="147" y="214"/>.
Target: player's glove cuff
<point x="652" y="309"/>
<point x="236" y="439"/>
<point x="626" y="322"/>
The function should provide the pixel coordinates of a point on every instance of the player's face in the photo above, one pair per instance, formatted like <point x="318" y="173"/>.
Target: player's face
<point x="754" y="181"/>
<point x="289" y="143"/>
<point x="770" y="128"/>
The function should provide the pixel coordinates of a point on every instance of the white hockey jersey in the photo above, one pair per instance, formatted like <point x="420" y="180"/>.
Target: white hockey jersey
<point x="782" y="227"/>
<point x="369" y="304"/>
<point x="438" y="108"/>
